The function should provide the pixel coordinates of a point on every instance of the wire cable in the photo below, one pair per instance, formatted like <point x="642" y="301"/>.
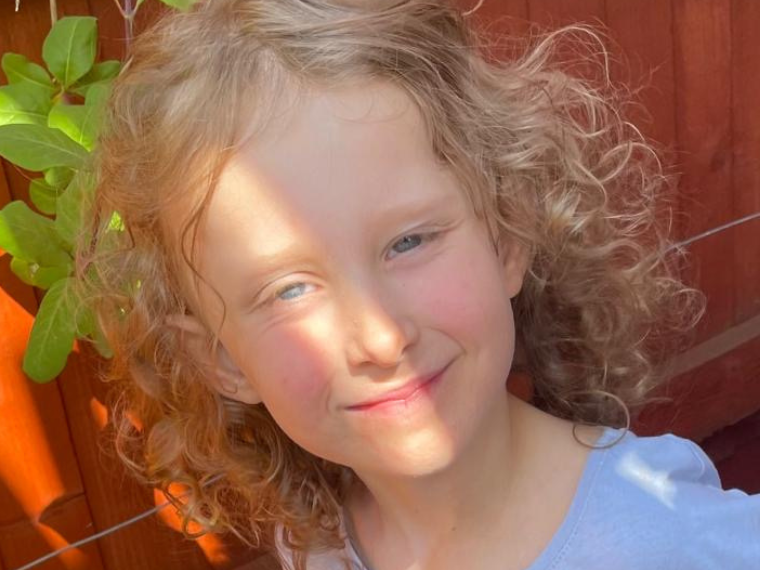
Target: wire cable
<point x="106" y="532"/>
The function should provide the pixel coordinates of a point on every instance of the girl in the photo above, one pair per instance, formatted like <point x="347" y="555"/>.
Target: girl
<point x="345" y="228"/>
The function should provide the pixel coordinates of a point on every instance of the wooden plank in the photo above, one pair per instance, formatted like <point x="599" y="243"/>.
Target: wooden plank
<point x="716" y="346"/>
<point x="745" y="22"/>
<point x="38" y="468"/>
<point x="718" y="393"/>
<point x="114" y="496"/>
<point x="554" y="13"/>
<point x="24" y="32"/>
<point x="735" y="450"/>
<point x="702" y="34"/>
<point x="646" y="51"/>
<point x="499" y="13"/>
<point x="60" y="526"/>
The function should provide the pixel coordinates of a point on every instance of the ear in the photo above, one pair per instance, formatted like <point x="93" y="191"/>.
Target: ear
<point x="515" y="258"/>
<point x="220" y="369"/>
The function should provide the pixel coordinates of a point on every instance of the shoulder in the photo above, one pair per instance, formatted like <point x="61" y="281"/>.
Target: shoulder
<point x="667" y="467"/>
<point x="665" y="494"/>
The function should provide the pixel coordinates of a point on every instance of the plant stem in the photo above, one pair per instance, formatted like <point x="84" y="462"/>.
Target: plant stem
<point x="119" y="8"/>
<point x="53" y="12"/>
<point x="128" y="13"/>
<point x="129" y="21"/>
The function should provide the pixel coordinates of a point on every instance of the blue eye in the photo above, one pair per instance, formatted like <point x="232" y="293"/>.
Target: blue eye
<point x="292" y="291"/>
<point x="407" y="243"/>
<point x="412" y="241"/>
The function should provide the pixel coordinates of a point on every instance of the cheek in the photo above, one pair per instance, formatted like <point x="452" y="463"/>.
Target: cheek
<point x="463" y="293"/>
<point x="290" y="368"/>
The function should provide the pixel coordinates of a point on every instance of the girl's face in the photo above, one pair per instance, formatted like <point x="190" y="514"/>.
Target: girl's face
<point x="365" y="304"/>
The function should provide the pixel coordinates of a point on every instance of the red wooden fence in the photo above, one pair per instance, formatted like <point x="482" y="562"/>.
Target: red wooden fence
<point x="702" y="65"/>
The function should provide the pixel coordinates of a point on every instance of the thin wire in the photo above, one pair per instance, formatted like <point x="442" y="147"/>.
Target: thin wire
<point x="107" y="531"/>
<point x="715" y="230"/>
<point x="157" y="508"/>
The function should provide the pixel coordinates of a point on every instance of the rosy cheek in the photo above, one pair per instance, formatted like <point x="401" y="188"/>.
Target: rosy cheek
<point x="462" y="294"/>
<point x="294" y="365"/>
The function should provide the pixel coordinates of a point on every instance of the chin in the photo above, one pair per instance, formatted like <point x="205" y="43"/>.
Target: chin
<point x="420" y="455"/>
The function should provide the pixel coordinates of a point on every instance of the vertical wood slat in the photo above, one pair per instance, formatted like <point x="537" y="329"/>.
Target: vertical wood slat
<point x="745" y="23"/>
<point x="43" y="463"/>
<point x="60" y="527"/>
<point x="702" y="34"/>
<point x="24" y="32"/>
<point x="113" y="494"/>
<point x="552" y="14"/>
<point x="113" y="497"/>
<point x="38" y="467"/>
<point x="647" y="52"/>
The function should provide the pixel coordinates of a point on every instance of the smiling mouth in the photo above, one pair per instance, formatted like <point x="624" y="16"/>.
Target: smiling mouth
<point x="402" y="395"/>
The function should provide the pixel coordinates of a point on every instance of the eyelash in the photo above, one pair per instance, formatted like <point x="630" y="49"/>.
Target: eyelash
<point x="424" y="238"/>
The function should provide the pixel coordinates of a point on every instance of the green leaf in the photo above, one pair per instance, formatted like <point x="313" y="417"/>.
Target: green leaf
<point x="23" y="103"/>
<point x="18" y="69"/>
<point x="38" y="276"/>
<point x="183" y="5"/>
<point x="68" y="222"/>
<point x="115" y="223"/>
<point x="43" y="196"/>
<point x="53" y="333"/>
<point x="69" y="49"/>
<point x="30" y="236"/>
<point x="81" y="122"/>
<point x="68" y="118"/>
<point x="59" y="177"/>
<point x="35" y="147"/>
<point x="101" y="73"/>
<point x="87" y="326"/>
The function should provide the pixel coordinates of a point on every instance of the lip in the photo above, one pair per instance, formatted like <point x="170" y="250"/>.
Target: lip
<point x="403" y="394"/>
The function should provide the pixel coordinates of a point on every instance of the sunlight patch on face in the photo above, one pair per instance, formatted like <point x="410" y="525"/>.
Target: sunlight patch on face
<point x="656" y="483"/>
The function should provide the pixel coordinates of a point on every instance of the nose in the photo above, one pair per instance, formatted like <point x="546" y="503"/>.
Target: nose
<point x="379" y="332"/>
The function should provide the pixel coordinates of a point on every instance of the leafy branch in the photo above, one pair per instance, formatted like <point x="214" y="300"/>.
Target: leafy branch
<point x="50" y="118"/>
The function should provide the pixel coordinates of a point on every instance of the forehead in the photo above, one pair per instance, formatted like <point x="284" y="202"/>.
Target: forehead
<point x="329" y="165"/>
<point x="358" y="135"/>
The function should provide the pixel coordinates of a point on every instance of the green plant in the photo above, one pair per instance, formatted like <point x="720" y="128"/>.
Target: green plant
<point x="49" y="123"/>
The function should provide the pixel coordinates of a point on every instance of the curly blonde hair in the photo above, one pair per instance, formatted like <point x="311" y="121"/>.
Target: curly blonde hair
<point x="545" y="156"/>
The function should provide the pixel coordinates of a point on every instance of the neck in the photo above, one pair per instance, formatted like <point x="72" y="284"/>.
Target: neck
<point x="464" y="501"/>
